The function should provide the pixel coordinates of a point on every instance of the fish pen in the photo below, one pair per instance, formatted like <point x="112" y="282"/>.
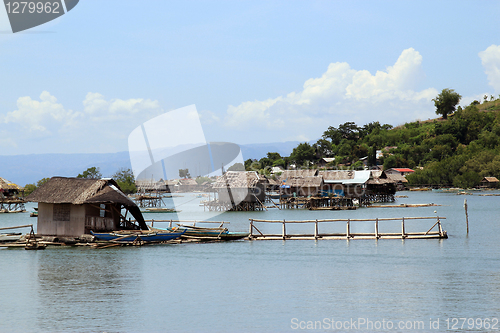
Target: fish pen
<point x="224" y="206"/>
<point x="382" y="228"/>
<point x="318" y="203"/>
<point x="368" y="199"/>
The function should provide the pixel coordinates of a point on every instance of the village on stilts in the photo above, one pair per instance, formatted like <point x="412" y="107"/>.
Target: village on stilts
<point x="96" y="212"/>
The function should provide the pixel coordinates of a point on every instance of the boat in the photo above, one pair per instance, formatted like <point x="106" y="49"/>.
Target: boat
<point x="161" y="210"/>
<point x="204" y="233"/>
<point x="10" y="237"/>
<point x="128" y="236"/>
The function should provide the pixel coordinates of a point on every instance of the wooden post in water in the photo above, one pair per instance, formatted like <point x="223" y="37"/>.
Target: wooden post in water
<point x="466" y="215"/>
<point x="284" y="230"/>
<point x="316" y="229"/>
<point x="403" y="228"/>
<point x="348" y="231"/>
<point x="376" y="229"/>
<point x="439" y="227"/>
<point x="251" y="229"/>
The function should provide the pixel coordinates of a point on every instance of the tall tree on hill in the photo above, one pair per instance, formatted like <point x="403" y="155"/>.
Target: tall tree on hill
<point x="446" y="102"/>
<point x="303" y="152"/>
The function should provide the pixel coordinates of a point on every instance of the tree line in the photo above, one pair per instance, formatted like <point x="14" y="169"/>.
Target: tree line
<point x="123" y="177"/>
<point x="457" y="149"/>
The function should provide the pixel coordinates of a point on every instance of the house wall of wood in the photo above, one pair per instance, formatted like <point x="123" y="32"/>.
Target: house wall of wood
<point x="75" y="220"/>
<point x="302" y="191"/>
<point x="242" y="194"/>
<point x="489" y="184"/>
<point x="98" y="219"/>
<point x="61" y="220"/>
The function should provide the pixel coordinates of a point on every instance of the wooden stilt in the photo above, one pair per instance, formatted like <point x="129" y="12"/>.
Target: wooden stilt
<point x="284" y="230"/>
<point x="348" y="231"/>
<point x="403" y="234"/>
<point x="316" y="229"/>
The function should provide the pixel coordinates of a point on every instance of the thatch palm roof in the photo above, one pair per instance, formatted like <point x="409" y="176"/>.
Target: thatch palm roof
<point x="339" y="175"/>
<point x="312" y="181"/>
<point x="239" y="179"/>
<point x="490" y="180"/>
<point x="8" y="185"/>
<point x="79" y="191"/>
<point x="288" y="174"/>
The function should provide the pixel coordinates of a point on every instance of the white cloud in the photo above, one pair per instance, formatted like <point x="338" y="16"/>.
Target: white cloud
<point x="41" y="117"/>
<point x="100" y="109"/>
<point x="490" y="58"/>
<point x="342" y="94"/>
<point x="47" y="126"/>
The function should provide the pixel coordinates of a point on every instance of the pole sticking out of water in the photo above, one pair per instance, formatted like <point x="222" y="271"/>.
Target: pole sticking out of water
<point x="466" y="215"/>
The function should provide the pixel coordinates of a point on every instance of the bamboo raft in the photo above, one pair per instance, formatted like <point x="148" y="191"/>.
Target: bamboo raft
<point x="256" y="234"/>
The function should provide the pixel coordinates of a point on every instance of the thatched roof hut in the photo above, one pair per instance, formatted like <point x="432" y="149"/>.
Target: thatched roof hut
<point x="145" y="185"/>
<point x="489" y="182"/>
<point x="8" y="190"/>
<point x="307" y="186"/>
<point x="239" y="179"/>
<point x="74" y="206"/>
<point x="241" y="185"/>
<point x="6" y="185"/>
<point x="289" y="174"/>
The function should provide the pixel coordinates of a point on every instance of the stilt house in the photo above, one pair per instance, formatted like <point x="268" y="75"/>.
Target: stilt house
<point x="489" y="182"/>
<point x="72" y="207"/>
<point x="344" y="183"/>
<point x="9" y="197"/>
<point x="240" y="188"/>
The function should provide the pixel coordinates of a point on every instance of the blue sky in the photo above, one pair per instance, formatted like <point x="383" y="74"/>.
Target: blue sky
<point x="257" y="71"/>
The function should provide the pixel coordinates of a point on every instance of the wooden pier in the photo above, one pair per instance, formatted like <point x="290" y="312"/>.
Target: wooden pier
<point x="435" y="231"/>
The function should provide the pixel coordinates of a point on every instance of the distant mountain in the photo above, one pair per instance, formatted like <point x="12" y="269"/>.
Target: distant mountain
<point x="259" y="150"/>
<point x="27" y="169"/>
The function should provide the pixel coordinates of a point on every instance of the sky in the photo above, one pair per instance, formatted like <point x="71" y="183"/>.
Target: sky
<point x="257" y="71"/>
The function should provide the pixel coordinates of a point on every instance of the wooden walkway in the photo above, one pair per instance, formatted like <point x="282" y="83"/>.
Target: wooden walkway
<point x="435" y="231"/>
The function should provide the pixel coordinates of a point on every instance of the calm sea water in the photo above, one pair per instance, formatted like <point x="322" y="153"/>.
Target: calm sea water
<point x="266" y="286"/>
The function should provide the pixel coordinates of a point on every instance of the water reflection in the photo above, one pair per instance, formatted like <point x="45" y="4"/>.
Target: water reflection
<point x="79" y="286"/>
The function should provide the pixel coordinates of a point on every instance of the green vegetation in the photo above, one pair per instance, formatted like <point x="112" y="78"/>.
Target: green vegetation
<point x="29" y="188"/>
<point x="446" y="102"/>
<point x="459" y="149"/>
<point x="125" y="179"/>
<point x="200" y="180"/>
<point x="184" y="173"/>
<point x="91" y="173"/>
<point x="236" y="167"/>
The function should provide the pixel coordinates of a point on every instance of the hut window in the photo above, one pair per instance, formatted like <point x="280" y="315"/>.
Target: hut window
<point x="102" y="212"/>
<point x="62" y="212"/>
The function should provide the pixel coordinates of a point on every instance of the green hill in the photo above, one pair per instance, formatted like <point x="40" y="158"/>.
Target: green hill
<point x="457" y="151"/>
